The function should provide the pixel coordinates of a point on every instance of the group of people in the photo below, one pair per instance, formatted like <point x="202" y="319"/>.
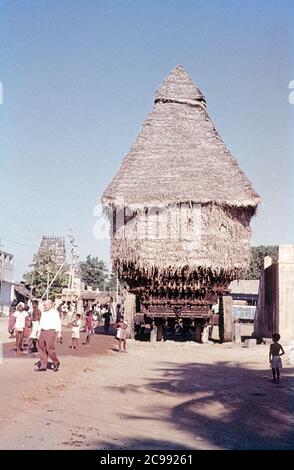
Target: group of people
<point x="24" y="324"/>
<point x="90" y="324"/>
<point x="45" y="327"/>
<point x="120" y="326"/>
<point x="37" y="331"/>
<point x="102" y="312"/>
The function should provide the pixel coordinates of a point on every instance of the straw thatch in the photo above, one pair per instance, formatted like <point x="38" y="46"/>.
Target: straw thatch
<point x="187" y="205"/>
<point x="182" y="236"/>
<point x="101" y="297"/>
<point x="178" y="156"/>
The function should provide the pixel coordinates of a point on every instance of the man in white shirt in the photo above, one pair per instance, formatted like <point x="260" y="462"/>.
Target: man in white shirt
<point x="20" y="315"/>
<point x="49" y="327"/>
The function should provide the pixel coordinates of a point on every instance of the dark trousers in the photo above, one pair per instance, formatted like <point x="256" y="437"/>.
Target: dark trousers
<point x="47" y="347"/>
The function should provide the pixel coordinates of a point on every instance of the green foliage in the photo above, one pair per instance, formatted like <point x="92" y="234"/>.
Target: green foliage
<point x="37" y="278"/>
<point x="94" y="273"/>
<point x="258" y="255"/>
<point x="111" y="283"/>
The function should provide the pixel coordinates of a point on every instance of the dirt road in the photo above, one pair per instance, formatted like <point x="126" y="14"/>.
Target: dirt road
<point x="163" y="396"/>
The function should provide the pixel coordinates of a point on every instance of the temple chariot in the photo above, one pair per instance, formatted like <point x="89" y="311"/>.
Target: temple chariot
<point x="180" y="210"/>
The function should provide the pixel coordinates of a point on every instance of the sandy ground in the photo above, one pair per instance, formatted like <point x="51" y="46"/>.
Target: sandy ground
<point x="163" y="396"/>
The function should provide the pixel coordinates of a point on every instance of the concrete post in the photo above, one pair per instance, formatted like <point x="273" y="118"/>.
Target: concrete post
<point x="237" y="332"/>
<point x="198" y="332"/>
<point x="228" y="318"/>
<point x="129" y="313"/>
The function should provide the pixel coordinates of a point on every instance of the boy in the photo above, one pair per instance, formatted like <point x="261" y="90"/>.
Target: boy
<point x="121" y="333"/>
<point x="275" y="353"/>
<point x="89" y="327"/>
<point x="33" y="339"/>
<point x="75" y="332"/>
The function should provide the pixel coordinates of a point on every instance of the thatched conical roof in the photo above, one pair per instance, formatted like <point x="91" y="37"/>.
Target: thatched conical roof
<point x="178" y="156"/>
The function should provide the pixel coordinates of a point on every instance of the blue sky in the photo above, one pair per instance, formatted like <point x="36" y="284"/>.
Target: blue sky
<point x="79" y="78"/>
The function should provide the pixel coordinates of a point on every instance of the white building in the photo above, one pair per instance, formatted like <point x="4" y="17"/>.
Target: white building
<point x="6" y="275"/>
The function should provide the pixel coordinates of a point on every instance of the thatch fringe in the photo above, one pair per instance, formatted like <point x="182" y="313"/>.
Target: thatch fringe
<point x="187" y="273"/>
<point x="208" y="236"/>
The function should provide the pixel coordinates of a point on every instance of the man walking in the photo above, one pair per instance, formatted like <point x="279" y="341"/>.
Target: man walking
<point x="49" y="327"/>
<point x="106" y="314"/>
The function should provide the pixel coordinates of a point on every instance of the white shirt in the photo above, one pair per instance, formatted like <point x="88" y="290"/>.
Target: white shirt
<point x="50" y="320"/>
<point x="78" y="325"/>
<point x="20" y="319"/>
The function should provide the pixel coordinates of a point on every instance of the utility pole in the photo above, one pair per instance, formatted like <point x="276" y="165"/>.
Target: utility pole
<point x="53" y="279"/>
<point x="48" y="279"/>
<point x="73" y="262"/>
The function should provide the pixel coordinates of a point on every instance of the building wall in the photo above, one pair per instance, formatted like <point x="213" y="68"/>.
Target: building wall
<point x="129" y="313"/>
<point x="266" y="319"/>
<point x="6" y="276"/>
<point x="276" y="296"/>
<point x="6" y="297"/>
<point x="6" y="266"/>
<point x="228" y="318"/>
<point x="286" y="291"/>
<point x="56" y="245"/>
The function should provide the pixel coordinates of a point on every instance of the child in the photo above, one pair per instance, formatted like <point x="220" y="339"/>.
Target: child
<point x="89" y="327"/>
<point x="153" y="333"/>
<point x="274" y="357"/>
<point x="121" y="334"/>
<point x="20" y="315"/>
<point x="33" y="338"/>
<point x="75" y="332"/>
<point x="28" y="326"/>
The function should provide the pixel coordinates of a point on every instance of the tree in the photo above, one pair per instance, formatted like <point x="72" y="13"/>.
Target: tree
<point x="45" y="268"/>
<point x="111" y="282"/>
<point x="258" y="253"/>
<point x="93" y="272"/>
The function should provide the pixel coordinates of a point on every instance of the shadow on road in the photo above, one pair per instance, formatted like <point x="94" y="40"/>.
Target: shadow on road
<point x="226" y="404"/>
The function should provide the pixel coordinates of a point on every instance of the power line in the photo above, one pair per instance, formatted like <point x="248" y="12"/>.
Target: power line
<point x="5" y="229"/>
<point x="12" y="213"/>
<point x="18" y="243"/>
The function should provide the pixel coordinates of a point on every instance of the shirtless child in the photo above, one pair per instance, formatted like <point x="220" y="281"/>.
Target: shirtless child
<point x="275" y="353"/>
<point x="33" y="339"/>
